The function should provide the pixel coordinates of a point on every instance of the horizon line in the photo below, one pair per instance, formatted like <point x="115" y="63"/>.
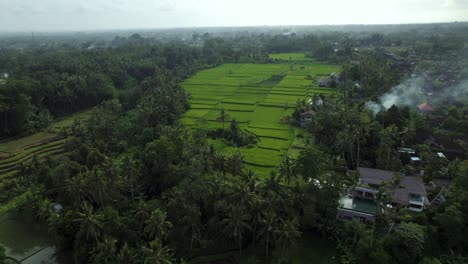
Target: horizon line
<point x="224" y="26"/>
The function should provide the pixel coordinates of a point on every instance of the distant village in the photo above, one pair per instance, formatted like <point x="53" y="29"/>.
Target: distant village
<point x="359" y="202"/>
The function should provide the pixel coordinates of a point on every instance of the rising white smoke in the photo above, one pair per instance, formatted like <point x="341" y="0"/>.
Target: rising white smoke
<point x="373" y="106"/>
<point x="411" y="93"/>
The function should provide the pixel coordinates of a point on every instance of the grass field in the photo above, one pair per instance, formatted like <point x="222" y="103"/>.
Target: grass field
<point x="258" y="96"/>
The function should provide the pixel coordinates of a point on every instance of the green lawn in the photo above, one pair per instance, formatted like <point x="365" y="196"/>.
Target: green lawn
<point x="258" y="96"/>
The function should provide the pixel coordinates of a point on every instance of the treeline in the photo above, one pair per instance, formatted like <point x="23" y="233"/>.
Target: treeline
<point x="43" y="84"/>
<point x="47" y="82"/>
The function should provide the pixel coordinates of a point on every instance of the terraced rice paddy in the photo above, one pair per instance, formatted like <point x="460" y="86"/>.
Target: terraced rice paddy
<point x="41" y="145"/>
<point x="45" y="144"/>
<point x="258" y="96"/>
<point x="293" y="57"/>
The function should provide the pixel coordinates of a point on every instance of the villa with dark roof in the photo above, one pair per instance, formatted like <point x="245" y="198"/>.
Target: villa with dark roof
<point x="360" y="203"/>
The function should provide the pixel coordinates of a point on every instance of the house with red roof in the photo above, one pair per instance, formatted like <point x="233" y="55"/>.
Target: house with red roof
<point x="425" y="107"/>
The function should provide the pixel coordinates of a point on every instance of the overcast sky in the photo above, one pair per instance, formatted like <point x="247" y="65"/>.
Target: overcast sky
<point x="59" y="15"/>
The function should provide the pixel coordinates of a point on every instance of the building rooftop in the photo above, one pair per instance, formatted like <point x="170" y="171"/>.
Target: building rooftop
<point x="409" y="185"/>
<point x="375" y="176"/>
<point x="406" y="150"/>
<point x="311" y="112"/>
<point x="425" y="107"/>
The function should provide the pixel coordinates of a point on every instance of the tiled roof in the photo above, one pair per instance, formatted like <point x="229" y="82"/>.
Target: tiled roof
<point x="425" y="107"/>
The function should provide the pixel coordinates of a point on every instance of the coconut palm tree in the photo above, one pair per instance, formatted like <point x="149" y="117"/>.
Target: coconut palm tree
<point x="243" y="195"/>
<point x="78" y="188"/>
<point x="223" y="117"/>
<point x="287" y="170"/>
<point x="236" y="224"/>
<point x="157" y="227"/>
<point x="142" y="212"/>
<point x="90" y="222"/>
<point x="256" y="206"/>
<point x="126" y="255"/>
<point x="250" y="178"/>
<point x="221" y="163"/>
<point x="44" y="209"/>
<point x="352" y="180"/>
<point x="287" y="233"/>
<point x="272" y="183"/>
<point x="156" y="253"/>
<point x="191" y="222"/>
<point x="269" y="222"/>
<point x="396" y="181"/>
<point x="236" y="163"/>
<point x="105" y="252"/>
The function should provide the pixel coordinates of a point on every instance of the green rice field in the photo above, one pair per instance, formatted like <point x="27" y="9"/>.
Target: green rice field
<point x="258" y="96"/>
<point x="293" y="57"/>
<point x="43" y="145"/>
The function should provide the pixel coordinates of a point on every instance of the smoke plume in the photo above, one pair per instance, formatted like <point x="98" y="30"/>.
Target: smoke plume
<point x="411" y="93"/>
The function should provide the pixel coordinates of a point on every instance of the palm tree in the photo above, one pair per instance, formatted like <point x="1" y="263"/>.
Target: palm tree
<point x="387" y="141"/>
<point x="126" y="255"/>
<point x="79" y="188"/>
<point x="90" y="222"/>
<point x="286" y="169"/>
<point x="130" y="173"/>
<point x="156" y="253"/>
<point x="243" y="194"/>
<point x="343" y="144"/>
<point x="236" y="224"/>
<point x="207" y="158"/>
<point x="287" y="232"/>
<point x="157" y="227"/>
<point x="5" y="108"/>
<point x="396" y="181"/>
<point x="352" y="180"/>
<point x="142" y="212"/>
<point x="269" y="222"/>
<point x="256" y="205"/>
<point x="250" y="178"/>
<point x="191" y="222"/>
<point x="97" y="186"/>
<point x="236" y="163"/>
<point x="235" y="131"/>
<point x="221" y="162"/>
<point x="105" y="251"/>
<point x="223" y="117"/>
<point x="44" y="209"/>
<point x="272" y="184"/>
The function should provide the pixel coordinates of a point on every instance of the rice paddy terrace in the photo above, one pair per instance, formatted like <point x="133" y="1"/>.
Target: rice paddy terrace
<point x="258" y="96"/>
<point x="16" y="152"/>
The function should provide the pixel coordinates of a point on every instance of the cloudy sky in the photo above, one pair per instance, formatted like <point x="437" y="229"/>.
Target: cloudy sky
<point x="58" y="15"/>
